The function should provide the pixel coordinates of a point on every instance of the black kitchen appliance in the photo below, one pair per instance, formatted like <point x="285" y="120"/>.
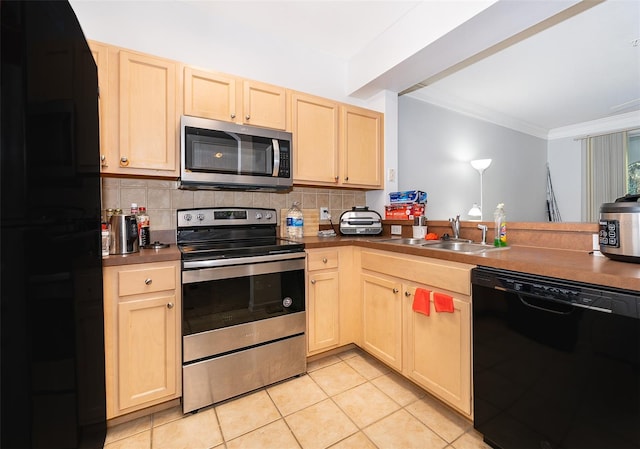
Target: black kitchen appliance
<point x="53" y="387"/>
<point x="556" y="364"/>
<point x="243" y="298"/>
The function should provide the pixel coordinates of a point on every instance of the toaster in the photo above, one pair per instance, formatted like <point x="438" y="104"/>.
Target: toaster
<point x="360" y="221"/>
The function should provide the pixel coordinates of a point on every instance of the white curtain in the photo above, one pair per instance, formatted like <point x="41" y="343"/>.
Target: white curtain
<point x="605" y="172"/>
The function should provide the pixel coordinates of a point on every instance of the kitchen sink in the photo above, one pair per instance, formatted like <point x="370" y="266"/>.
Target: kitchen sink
<point x="458" y="245"/>
<point x="461" y="247"/>
<point x="401" y="241"/>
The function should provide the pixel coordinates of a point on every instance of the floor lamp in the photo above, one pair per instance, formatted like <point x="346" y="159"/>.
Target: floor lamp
<point x="481" y="165"/>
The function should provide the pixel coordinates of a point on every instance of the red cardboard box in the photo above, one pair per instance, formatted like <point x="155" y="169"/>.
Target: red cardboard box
<point x="403" y="211"/>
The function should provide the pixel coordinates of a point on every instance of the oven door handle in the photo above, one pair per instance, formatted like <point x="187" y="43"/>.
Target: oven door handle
<point x="194" y="264"/>
<point x="273" y="265"/>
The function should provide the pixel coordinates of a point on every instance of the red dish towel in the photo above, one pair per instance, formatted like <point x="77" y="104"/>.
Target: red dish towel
<point x="442" y="302"/>
<point x="421" y="301"/>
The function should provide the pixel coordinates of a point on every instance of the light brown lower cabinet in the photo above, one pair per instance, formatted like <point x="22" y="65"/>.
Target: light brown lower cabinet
<point x="323" y="300"/>
<point x="382" y="318"/>
<point x="433" y="351"/>
<point x="142" y="305"/>
<point x="437" y="350"/>
<point x="333" y="305"/>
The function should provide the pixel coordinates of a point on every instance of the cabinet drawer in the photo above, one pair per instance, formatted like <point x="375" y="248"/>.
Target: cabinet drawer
<point x="319" y="260"/>
<point x="146" y="280"/>
<point x="453" y="276"/>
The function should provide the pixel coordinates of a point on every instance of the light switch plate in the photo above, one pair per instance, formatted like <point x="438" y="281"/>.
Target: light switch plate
<point x="324" y="213"/>
<point x="396" y="230"/>
<point x="391" y="175"/>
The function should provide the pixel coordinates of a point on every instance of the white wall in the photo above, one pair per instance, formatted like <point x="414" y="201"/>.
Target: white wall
<point x="388" y="102"/>
<point x="434" y="149"/>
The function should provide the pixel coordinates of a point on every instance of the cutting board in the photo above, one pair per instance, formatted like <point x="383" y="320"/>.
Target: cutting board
<point x="311" y="219"/>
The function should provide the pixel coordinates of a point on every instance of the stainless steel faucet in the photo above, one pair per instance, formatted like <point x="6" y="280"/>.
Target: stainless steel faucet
<point x="455" y="226"/>
<point x="484" y="233"/>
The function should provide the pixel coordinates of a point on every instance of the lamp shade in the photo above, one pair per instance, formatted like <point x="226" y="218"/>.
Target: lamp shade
<point x="481" y="164"/>
<point x="475" y="211"/>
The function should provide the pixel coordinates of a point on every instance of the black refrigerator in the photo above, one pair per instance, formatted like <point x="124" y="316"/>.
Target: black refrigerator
<point x="52" y="330"/>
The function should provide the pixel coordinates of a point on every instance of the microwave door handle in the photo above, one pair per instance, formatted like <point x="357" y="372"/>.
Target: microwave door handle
<point x="276" y="157"/>
<point x="239" y="141"/>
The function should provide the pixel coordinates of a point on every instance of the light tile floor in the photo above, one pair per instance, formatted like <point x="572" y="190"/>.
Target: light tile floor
<point x="346" y="401"/>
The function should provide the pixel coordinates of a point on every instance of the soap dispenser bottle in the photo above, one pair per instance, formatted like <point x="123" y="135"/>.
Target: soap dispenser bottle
<point x="500" y="226"/>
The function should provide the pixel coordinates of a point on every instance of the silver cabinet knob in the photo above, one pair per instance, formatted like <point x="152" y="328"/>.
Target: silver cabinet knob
<point x="124" y="161"/>
<point x="248" y="117"/>
<point x="395" y="290"/>
<point x="170" y="305"/>
<point x="337" y="177"/>
<point x="346" y="179"/>
<point x="148" y="281"/>
<point x="407" y="293"/>
<point x="233" y="115"/>
<point x="313" y="281"/>
<point x="324" y="260"/>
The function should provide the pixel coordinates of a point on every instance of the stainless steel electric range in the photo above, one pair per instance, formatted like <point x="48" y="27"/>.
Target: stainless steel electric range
<point x="243" y="295"/>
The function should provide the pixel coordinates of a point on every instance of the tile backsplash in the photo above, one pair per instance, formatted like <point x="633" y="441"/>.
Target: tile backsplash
<point x="163" y="198"/>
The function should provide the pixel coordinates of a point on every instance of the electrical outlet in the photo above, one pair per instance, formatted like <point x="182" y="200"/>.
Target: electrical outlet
<point x="324" y="213"/>
<point x="396" y="230"/>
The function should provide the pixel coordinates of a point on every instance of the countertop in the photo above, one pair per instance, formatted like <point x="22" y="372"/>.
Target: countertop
<point x="143" y="256"/>
<point x="580" y="266"/>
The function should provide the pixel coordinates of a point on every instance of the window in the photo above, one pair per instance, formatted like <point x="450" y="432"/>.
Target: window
<point x="633" y="167"/>
<point x="611" y="170"/>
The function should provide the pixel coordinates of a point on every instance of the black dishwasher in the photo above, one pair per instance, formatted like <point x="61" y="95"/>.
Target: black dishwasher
<point x="556" y="364"/>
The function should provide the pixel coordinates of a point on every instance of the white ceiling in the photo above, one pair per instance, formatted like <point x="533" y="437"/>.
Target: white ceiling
<point x="337" y="28"/>
<point x="582" y="69"/>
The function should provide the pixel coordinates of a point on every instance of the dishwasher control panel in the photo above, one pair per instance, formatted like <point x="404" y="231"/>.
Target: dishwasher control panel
<point x="600" y="298"/>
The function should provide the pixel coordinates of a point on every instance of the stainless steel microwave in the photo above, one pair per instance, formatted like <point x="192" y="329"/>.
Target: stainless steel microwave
<point x="222" y="155"/>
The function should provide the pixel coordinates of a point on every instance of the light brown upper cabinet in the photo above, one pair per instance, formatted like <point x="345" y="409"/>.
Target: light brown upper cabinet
<point x="138" y="113"/>
<point x="315" y="139"/>
<point x="220" y="96"/>
<point x="209" y="95"/>
<point x="100" y="54"/>
<point x="361" y="157"/>
<point x="336" y="144"/>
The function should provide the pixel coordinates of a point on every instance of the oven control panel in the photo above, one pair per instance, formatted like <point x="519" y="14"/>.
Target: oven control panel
<point x="225" y="216"/>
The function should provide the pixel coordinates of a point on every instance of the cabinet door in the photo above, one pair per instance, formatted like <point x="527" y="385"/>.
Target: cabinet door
<point x="438" y="350"/>
<point x="315" y="139"/>
<point x="209" y="95"/>
<point x="382" y="319"/>
<point x="100" y="54"/>
<point x="264" y="105"/>
<point x="148" y="121"/>
<point x="323" y="311"/>
<point x="362" y="147"/>
<point x="147" y="356"/>
<point x="142" y="313"/>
